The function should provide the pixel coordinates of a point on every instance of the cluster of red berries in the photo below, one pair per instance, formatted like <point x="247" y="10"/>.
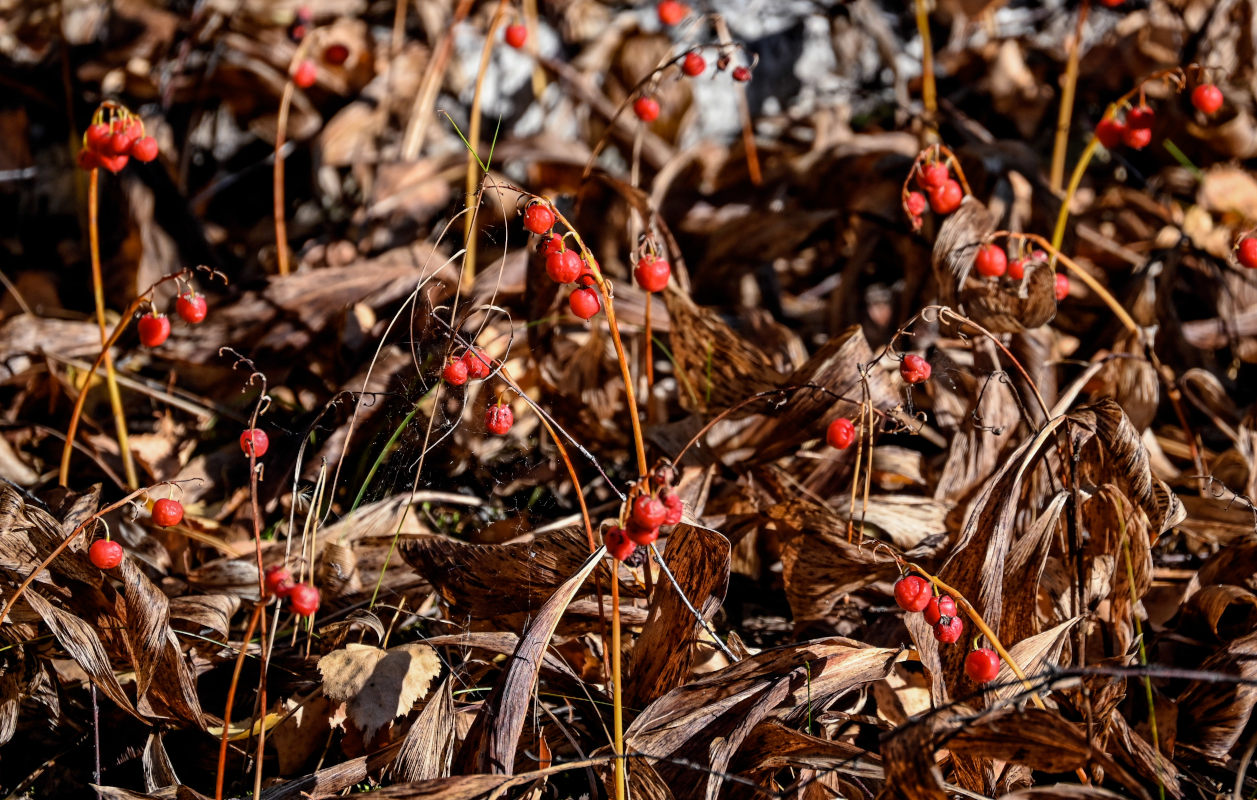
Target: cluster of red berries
<point x="649" y="512"/>
<point x="992" y="262"/>
<point x="1135" y="131"/>
<point x="473" y="364"/>
<point x="301" y="21"/>
<point x="943" y="190"/>
<point x="914" y="369"/>
<point x="112" y="144"/>
<point x="1246" y="252"/>
<point x="563" y="264"/>
<point x="693" y="64"/>
<point x="154" y="328"/>
<point x="913" y="593"/>
<point x="303" y="597"/>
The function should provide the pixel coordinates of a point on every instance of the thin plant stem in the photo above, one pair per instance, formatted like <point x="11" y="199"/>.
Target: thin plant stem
<point x="98" y="290"/>
<point x="1068" y="87"/>
<point x="617" y="711"/>
<point x="928" y="98"/>
<point x="231" y="696"/>
<point x="473" y="138"/>
<point x="281" y="222"/>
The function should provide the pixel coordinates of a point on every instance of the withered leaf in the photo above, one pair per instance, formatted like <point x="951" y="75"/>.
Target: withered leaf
<point x="1220" y="710"/>
<point x="427" y="752"/>
<point x="378" y="685"/>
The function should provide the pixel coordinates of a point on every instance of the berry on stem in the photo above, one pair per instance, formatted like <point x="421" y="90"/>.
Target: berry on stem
<point x="191" y="307"/>
<point x="1062" y="286"/>
<point x="167" y="512"/>
<point x="652" y="273"/>
<point x="516" y="35"/>
<point x="96" y="137"/>
<point x="1246" y="253"/>
<point x="154" y="329"/>
<point x="1140" y="118"/>
<point x="1137" y="138"/>
<point x="673" y="504"/>
<point x="564" y="266"/>
<point x="279" y="581"/>
<point x="648" y="512"/>
<point x="934" y="175"/>
<point x="991" y="261"/>
<point x="619" y="545"/>
<point x="646" y="108"/>
<point x="304" y="599"/>
<point x="939" y="607"/>
<point x="112" y="163"/>
<point x="912" y="592"/>
<point x="982" y="665"/>
<point x="671" y="12"/>
<point x="255" y="440"/>
<point x="741" y="74"/>
<point x="584" y="303"/>
<point x="478" y="364"/>
<point x="946" y="198"/>
<point x="1207" y="99"/>
<point x="306" y="74"/>
<point x="499" y="419"/>
<point x="948" y="629"/>
<point x="538" y="217"/>
<point x="694" y="64"/>
<point x="841" y="433"/>
<point x="641" y="535"/>
<point x="914" y="369"/>
<point x="1109" y="131"/>
<point x="1017" y="269"/>
<point x="144" y="149"/>
<point x="915" y="204"/>
<point x="105" y="554"/>
<point x="455" y="372"/>
<point x="335" y="54"/>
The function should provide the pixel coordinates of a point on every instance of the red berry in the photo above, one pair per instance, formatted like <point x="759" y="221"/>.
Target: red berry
<point x="1112" y="3"/>
<point x="646" y="108"/>
<point x="914" y="369"/>
<point x="1017" y="269"/>
<point x="167" y="512"/>
<point x="619" y="545"/>
<point x="478" y="364"/>
<point x="564" y="266"/>
<point x="841" y="433"/>
<point x="538" y="217"/>
<point x="255" y="440"/>
<point x="741" y="74"/>
<point x="1137" y="138"/>
<point x="671" y="12"/>
<point x="144" y="149"/>
<point x="304" y="599"/>
<point x="279" y="581"/>
<point x="694" y="64"/>
<point x="1140" y="118"/>
<point x="641" y="534"/>
<point x="88" y="159"/>
<point x="991" y="262"/>
<point x="119" y="143"/>
<point x="455" y="372"/>
<point x="1207" y="98"/>
<point x="946" y="198"/>
<point x="648" y="512"/>
<point x="912" y="592"/>
<point x="113" y="163"/>
<point x="154" y="328"/>
<point x="1246" y="253"/>
<point x="306" y="74"/>
<point x="499" y="419"/>
<point x="191" y="307"/>
<point x="1109" y="131"/>
<point x="97" y="136"/>
<point x="516" y="35"/>
<point x="584" y="303"/>
<point x="652" y="273"/>
<point x="939" y="607"/>
<point x="948" y="629"/>
<point x="105" y="554"/>
<point x="915" y="204"/>
<point x="982" y="665"/>
<point x="934" y="175"/>
<point x="335" y="54"/>
<point x="674" y="506"/>
<point x="1062" y="286"/>
<point x="550" y="243"/>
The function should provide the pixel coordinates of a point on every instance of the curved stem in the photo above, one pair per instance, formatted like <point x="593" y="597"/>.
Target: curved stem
<point x="1067" y="100"/>
<point x="231" y="696"/>
<point x="617" y="712"/>
<point x="927" y="62"/>
<point x="281" y="223"/>
<point x="473" y="142"/>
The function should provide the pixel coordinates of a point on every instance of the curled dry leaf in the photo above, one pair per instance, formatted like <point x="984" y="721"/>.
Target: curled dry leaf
<point x="1220" y="710"/>
<point x="378" y="685"/>
<point x="427" y="752"/>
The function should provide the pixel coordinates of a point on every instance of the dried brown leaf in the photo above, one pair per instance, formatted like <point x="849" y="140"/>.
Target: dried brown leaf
<point x="378" y="685"/>
<point x="427" y="752"/>
<point x="1220" y="710"/>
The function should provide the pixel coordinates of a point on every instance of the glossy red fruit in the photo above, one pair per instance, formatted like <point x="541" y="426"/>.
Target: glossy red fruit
<point x="499" y="419"/>
<point x="1207" y="98"/>
<point x="167" y="512"/>
<point x="538" y="217"/>
<point x="88" y="159"/>
<point x="652" y="273"/>
<point x="912" y="592"/>
<point x="191" y="307"/>
<point x="1246" y="253"/>
<point x="939" y="607"/>
<point x="154" y="329"/>
<point x="478" y="364"/>
<point x="991" y="261"/>
<point x="841" y="433"/>
<point x="1140" y="118"/>
<point x="1137" y="138"/>
<point x="671" y="12"/>
<point x="114" y="164"/>
<point x="1062" y="286"/>
<point x="741" y="74"/>
<point x="119" y="143"/>
<point x="675" y="508"/>
<point x="144" y="149"/>
<point x="648" y="512"/>
<point x="455" y="372"/>
<point x="619" y="545"/>
<point x="694" y="64"/>
<point x="646" y="108"/>
<point x="279" y="581"/>
<point x="516" y="35"/>
<point x="640" y="534"/>
<point x="946" y="198"/>
<point x="550" y="243"/>
<point x="97" y="136"/>
<point x="982" y="665"/>
<point x="335" y="54"/>
<point x="304" y="599"/>
<point x="306" y="74"/>
<point x="1017" y="269"/>
<point x="914" y="369"/>
<point x="105" y="554"/>
<point x="948" y="629"/>
<point x="934" y="175"/>
<point x="255" y="440"/>
<point x="915" y="204"/>
<point x="564" y="266"/>
<point x="584" y="303"/>
<point x="1109" y="132"/>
